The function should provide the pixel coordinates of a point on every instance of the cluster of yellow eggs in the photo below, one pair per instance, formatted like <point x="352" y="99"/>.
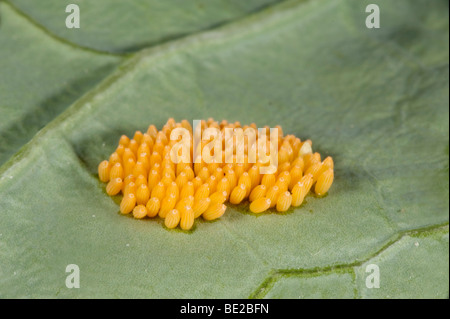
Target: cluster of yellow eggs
<point x="153" y="185"/>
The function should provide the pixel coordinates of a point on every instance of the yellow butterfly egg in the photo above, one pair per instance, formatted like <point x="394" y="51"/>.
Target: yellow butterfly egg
<point x="103" y="171"/>
<point x="212" y="167"/>
<point x="167" y="162"/>
<point x="144" y="159"/>
<point x="255" y="176"/>
<point x="180" y="167"/>
<point x="138" y="137"/>
<point x="167" y="204"/>
<point x="158" y="147"/>
<point x="296" y="144"/>
<point x="186" y="125"/>
<point x="324" y="182"/>
<point x="283" y="156"/>
<point x="187" y="218"/>
<point x="298" y="162"/>
<point x="167" y="180"/>
<point x="218" y="197"/>
<point x="116" y="171"/>
<point x="223" y="185"/>
<point x="328" y="162"/>
<point x="147" y="139"/>
<point x="172" y="219"/>
<point x="282" y="184"/>
<point x="286" y="175"/>
<point x="152" y="131"/>
<point x="204" y="174"/>
<point x="155" y="157"/>
<point x="272" y="194"/>
<point x="189" y="173"/>
<point x="308" y="182"/>
<point x="296" y="173"/>
<point x="162" y="137"/>
<point x="159" y="191"/>
<point x="314" y="170"/>
<point x="260" y="205"/>
<point x="157" y="167"/>
<point x="124" y="140"/>
<point x="114" y="186"/>
<point x="153" y="206"/>
<point x="246" y="180"/>
<point x="187" y="190"/>
<point x="139" y="169"/>
<point x="232" y="178"/>
<point x="171" y="122"/>
<point x="181" y="180"/>
<point x="258" y="192"/>
<point x="173" y="189"/>
<point x="298" y="194"/>
<point x="287" y="146"/>
<point x="284" y="201"/>
<point x="198" y="165"/>
<point x="143" y="149"/>
<point x="239" y="169"/>
<point x="317" y="157"/>
<point x="197" y="181"/>
<point x="127" y="153"/>
<point x="219" y="173"/>
<point x="141" y="179"/>
<point x="305" y="149"/>
<point x="133" y="146"/>
<point x="286" y="166"/>
<point x="119" y="150"/>
<point x="187" y="201"/>
<point x="130" y="178"/>
<point x="153" y="179"/>
<point x="128" y="203"/>
<point x="200" y="206"/>
<point x="268" y="180"/>
<point x="223" y="123"/>
<point x="114" y="158"/>
<point x="166" y="131"/>
<point x="142" y="194"/>
<point x="129" y="188"/>
<point x="214" y="211"/>
<point x="212" y="183"/>
<point x="168" y="172"/>
<point x="139" y="212"/>
<point x="238" y="194"/>
<point x="307" y="159"/>
<point x="310" y="160"/>
<point x="129" y="166"/>
<point x="227" y="167"/>
<point x="283" y="180"/>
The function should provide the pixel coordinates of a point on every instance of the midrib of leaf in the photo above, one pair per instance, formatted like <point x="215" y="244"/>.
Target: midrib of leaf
<point x="148" y="44"/>
<point x="254" y="23"/>
<point x="276" y="274"/>
<point x="37" y="25"/>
